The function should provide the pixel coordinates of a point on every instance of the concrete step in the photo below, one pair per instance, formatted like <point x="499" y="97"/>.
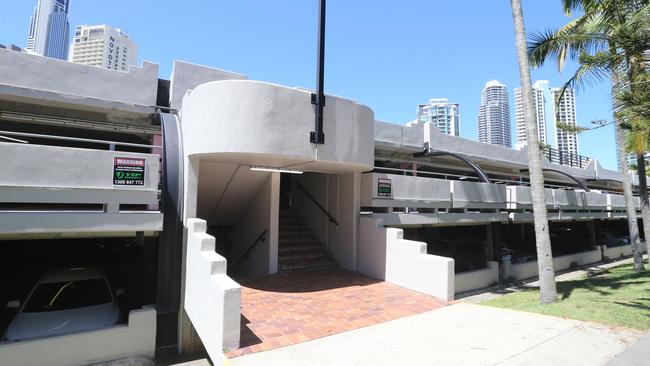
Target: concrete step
<point x="301" y="248"/>
<point x="293" y="243"/>
<point x="308" y="264"/>
<point x="302" y="253"/>
<point x="284" y="238"/>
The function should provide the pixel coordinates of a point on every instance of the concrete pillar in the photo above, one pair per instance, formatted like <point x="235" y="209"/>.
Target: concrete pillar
<point x="191" y="187"/>
<point x="274" y="222"/>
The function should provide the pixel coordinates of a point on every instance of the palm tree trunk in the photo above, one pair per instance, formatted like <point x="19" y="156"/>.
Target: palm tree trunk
<point x="548" y="291"/>
<point x="645" y="205"/>
<point x="632" y="225"/>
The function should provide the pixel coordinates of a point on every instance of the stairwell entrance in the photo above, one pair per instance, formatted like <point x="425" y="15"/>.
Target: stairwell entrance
<point x="307" y="223"/>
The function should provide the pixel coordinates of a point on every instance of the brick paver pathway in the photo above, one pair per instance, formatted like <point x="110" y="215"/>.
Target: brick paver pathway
<point x="281" y="310"/>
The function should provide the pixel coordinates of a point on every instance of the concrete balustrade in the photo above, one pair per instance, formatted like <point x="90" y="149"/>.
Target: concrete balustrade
<point x="137" y="338"/>
<point x="481" y="278"/>
<point x="478" y="195"/>
<point x="520" y="198"/>
<point x="406" y="191"/>
<point x="386" y="255"/>
<point x="39" y="175"/>
<point x="616" y="252"/>
<point x="522" y="271"/>
<point x="212" y="299"/>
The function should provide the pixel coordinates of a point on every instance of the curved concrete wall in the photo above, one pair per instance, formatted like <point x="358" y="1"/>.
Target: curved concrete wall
<point x="257" y="123"/>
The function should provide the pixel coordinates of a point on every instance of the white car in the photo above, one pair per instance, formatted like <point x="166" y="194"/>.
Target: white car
<point x="65" y="301"/>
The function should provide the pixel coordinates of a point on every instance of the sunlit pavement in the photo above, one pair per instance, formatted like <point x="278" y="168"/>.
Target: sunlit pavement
<point x="460" y="334"/>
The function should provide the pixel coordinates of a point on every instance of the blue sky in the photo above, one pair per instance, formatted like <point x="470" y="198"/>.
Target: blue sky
<point x="390" y="55"/>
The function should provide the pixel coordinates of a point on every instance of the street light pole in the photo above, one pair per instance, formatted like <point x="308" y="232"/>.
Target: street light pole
<point x="317" y="136"/>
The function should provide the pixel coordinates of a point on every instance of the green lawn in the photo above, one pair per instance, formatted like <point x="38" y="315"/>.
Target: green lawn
<point x="617" y="296"/>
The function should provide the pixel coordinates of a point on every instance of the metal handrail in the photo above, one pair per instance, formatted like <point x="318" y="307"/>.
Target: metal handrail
<point x="79" y="139"/>
<point x="316" y="203"/>
<point x="244" y="256"/>
<point x="438" y="175"/>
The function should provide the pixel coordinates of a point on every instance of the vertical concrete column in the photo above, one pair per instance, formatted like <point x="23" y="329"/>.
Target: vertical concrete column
<point x="190" y="196"/>
<point x="274" y="222"/>
<point x="350" y="205"/>
<point x="191" y="187"/>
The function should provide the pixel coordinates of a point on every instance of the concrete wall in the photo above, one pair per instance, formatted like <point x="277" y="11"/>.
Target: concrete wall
<point x="526" y="270"/>
<point x="474" y="280"/>
<point x="520" y="197"/>
<point x="187" y="76"/>
<point x="616" y="252"/>
<point x="581" y="259"/>
<point x="392" y="136"/>
<point x="595" y="200"/>
<point x="138" y="86"/>
<point x="568" y="199"/>
<point x="615" y="202"/>
<point x="407" y="191"/>
<point x="261" y="214"/>
<point x="318" y="185"/>
<point x="384" y="254"/>
<point x="27" y="165"/>
<point x="345" y="248"/>
<point x="521" y="271"/>
<point x="263" y="124"/>
<point x="212" y="299"/>
<point x="65" y="223"/>
<point x="137" y="338"/>
<point x="478" y="195"/>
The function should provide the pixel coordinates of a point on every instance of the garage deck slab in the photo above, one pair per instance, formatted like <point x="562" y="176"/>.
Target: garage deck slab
<point x="460" y="334"/>
<point x="282" y="310"/>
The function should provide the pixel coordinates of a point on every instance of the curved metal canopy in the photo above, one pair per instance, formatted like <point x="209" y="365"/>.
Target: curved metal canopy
<point x="580" y="183"/>
<point x="427" y="153"/>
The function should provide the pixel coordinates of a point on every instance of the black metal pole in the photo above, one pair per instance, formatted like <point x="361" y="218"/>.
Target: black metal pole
<point x="317" y="136"/>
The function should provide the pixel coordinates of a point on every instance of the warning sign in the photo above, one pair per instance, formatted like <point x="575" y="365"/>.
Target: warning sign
<point x="384" y="187"/>
<point x="128" y="172"/>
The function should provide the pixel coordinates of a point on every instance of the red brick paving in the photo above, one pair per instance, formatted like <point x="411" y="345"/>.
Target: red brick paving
<point x="286" y="309"/>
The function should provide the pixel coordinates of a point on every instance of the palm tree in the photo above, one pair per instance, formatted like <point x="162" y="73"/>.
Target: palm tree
<point x="605" y="40"/>
<point x="548" y="291"/>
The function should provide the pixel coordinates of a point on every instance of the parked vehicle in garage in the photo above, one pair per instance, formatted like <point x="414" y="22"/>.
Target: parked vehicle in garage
<point x="611" y="239"/>
<point x="65" y="301"/>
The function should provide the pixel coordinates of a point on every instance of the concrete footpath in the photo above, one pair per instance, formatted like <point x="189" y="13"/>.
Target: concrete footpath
<point x="460" y="334"/>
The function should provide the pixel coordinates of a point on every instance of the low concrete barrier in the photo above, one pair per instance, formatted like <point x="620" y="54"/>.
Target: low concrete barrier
<point x="577" y="259"/>
<point x="474" y="280"/>
<point x="212" y="299"/>
<point x="522" y="271"/>
<point x="135" y="339"/>
<point x="385" y="254"/>
<point x="616" y="252"/>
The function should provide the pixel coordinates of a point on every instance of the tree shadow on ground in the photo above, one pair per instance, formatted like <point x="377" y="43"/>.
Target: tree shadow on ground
<point x="603" y="285"/>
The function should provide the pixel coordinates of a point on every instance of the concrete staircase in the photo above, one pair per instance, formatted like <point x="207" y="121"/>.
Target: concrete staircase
<point x="298" y="248"/>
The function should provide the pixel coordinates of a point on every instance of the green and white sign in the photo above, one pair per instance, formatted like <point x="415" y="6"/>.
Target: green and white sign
<point x="384" y="187"/>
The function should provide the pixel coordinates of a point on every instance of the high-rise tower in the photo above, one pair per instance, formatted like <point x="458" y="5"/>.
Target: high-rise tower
<point x="494" y="115"/>
<point x="103" y="46"/>
<point x="564" y="112"/>
<point x="539" y="99"/>
<point x="442" y="114"/>
<point x="49" y="29"/>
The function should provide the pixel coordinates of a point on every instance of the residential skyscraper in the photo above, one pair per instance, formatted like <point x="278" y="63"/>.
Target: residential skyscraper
<point x="49" y="29"/>
<point x="103" y="46"/>
<point x="539" y="100"/>
<point x="566" y="114"/>
<point x="494" y="115"/>
<point x="442" y="114"/>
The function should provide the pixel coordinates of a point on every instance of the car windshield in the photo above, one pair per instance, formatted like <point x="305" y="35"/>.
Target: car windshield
<point x="68" y="295"/>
